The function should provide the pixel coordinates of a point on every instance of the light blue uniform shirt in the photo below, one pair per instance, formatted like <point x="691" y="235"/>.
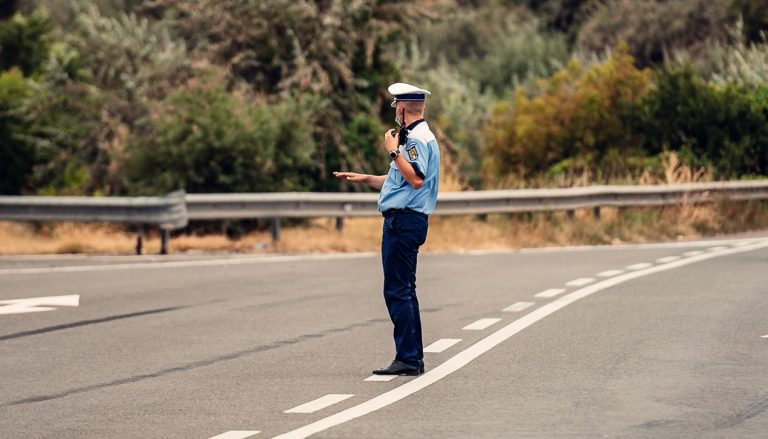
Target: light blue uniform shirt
<point x="423" y="152"/>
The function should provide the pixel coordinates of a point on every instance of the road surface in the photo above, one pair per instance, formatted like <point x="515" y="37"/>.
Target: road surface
<point x="647" y="341"/>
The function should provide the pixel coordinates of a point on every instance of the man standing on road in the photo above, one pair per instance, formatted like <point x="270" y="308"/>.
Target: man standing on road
<point x="407" y="196"/>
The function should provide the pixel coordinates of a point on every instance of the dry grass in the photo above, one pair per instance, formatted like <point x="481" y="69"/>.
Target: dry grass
<point x="445" y="233"/>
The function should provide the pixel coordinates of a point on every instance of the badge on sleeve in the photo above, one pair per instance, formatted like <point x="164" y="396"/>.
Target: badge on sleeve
<point x="413" y="153"/>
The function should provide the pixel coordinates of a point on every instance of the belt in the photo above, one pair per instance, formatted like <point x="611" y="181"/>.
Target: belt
<point x="406" y="211"/>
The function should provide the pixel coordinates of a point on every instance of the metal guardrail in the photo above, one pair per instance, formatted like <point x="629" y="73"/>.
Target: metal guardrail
<point x="174" y="210"/>
<point x="167" y="212"/>
<point x="298" y="205"/>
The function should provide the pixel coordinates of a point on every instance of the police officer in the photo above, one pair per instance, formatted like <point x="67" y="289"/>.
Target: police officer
<point x="407" y="196"/>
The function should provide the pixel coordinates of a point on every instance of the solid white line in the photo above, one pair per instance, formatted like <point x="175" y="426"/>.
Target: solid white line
<point x="235" y="434"/>
<point x="552" y="292"/>
<point x="639" y="266"/>
<point x="580" y="282"/>
<point x="666" y="259"/>
<point x="466" y="356"/>
<point x="378" y="378"/>
<point x="610" y="273"/>
<point x="441" y="345"/>
<point x="481" y="324"/>
<point x="693" y="253"/>
<point x="518" y="306"/>
<point x="319" y="403"/>
<point x="335" y="256"/>
<point x="185" y="264"/>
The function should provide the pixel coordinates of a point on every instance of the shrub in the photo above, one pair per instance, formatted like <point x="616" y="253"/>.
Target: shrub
<point x="17" y="152"/>
<point x="25" y="41"/>
<point x="574" y="121"/>
<point x="722" y="126"/>
<point x="652" y="28"/>
<point x="204" y="139"/>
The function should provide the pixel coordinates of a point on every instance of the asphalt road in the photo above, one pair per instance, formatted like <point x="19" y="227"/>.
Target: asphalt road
<point x="658" y="341"/>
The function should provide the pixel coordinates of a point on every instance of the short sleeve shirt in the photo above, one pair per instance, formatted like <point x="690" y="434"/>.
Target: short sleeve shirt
<point x="423" y="153"/>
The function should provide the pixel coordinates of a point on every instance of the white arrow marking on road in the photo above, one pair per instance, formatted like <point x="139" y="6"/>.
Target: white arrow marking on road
<point x="37" y="304"/>
<point x="236" y="434"/>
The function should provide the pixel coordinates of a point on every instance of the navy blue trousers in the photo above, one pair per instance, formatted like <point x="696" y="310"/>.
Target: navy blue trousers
<point x="403" y="234"/>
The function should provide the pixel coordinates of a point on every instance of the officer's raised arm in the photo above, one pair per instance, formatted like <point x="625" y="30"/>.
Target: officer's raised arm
<point x="374" y="181"/>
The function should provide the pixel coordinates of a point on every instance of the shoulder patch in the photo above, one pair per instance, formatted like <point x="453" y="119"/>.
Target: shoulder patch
<point x="413" y="153"/>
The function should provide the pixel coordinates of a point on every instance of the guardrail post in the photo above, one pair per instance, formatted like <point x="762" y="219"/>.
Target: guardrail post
<point x="275" y="222"/>
<point x="571" y="213"/>
<point x="165" y="236"/>
<point x="339" y="223"/>
<point x="139" y="239"/>
<point x="596" y="212"/>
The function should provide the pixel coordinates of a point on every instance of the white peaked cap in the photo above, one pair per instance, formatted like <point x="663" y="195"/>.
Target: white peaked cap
<point x="406" y="92"/>
<point x="401" y="88"/>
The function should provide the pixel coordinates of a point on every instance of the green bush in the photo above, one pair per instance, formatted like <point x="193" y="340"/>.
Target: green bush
<point x="575" y="121"/>
<point x="204" y="139"/>
<point x="25" y="41"/>
<point x="652" y="28"/>
<point x="17" y="152"/>
<point x="724" y="127"/>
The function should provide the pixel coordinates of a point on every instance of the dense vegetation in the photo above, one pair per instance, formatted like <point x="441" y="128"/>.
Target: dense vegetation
<point x="143" y="97"/>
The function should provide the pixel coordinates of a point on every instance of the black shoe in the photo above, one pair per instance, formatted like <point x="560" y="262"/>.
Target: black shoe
<point x="421" y="366"/>
<point x="399" y="368"/>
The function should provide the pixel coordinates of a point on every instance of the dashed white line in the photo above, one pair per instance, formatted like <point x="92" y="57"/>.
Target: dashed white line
<point x="765" y="336"/>
<point x="481" y="324"/>
<point x="235" y="434"/>
<point x="639" y="266"/>
<point x="486" y="344"/>
<point x="319" y="403"/>
<point x="580" y="282"/>
<point x="693" y="253"/>
<point x="609" y="273"/>
<point x="518" y="306"/>
<point x="441" y="345"/>
<point x="379" y="378"/>
<point x="666" y="259"/>
<point x="552" y="292"/>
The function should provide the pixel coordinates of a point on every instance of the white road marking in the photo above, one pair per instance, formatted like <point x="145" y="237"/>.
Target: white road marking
<point x="639" y="266"/>
<point x="693" y="253"/>
<point x="518" y="306"/>
<point x="381" y="378"/>
<point x="441" y="345"/>
<point x="466" y="356"/>
<point x="552" y="292"/>
<point x="235" y="434"/>
<point x="580" y="282"/>
<point x="717" y="248"/>
<point x="481" y="324"/>
<point x="765" y="336"/>
<point x="610" y="273"/>
<point x="666" y="259"/>
<point x="337" y="256"/>
<point x="319" y="403"/>
<point x="185" y="264"/>
<point x="37" y="304"/>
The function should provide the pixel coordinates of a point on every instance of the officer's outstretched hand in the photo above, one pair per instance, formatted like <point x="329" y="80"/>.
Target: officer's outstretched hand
<point x="352" y="177"/>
